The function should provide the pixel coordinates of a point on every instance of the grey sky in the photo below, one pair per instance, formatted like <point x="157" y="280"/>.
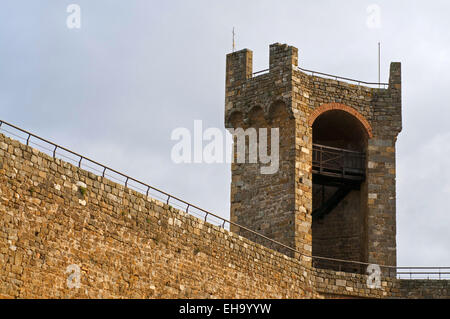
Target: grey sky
<point x="116" y="88"/>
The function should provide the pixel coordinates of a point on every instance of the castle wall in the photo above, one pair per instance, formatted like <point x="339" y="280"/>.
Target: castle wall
<point x="126" y="245"/>
<point x="305" y="98"/>
<point x="131" y="246"/>
<point x="270" y="91"/>
<point x="381" y="109"/>
<point x="265" y="202"/>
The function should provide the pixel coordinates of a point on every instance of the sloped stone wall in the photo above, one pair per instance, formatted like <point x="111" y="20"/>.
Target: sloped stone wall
<point x="55" y="217"/>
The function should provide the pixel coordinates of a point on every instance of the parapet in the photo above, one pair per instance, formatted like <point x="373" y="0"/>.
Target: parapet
<point x="303" y="92"/>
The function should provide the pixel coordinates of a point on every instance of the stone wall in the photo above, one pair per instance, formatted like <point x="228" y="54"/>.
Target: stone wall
<point x="268" y="92"/>
<point x="54" y="215"/>
<point x="419" y="289"/>
<point x="265" y="202"/>
<point x="305" y="97"/>
<point x="379" y="111"/>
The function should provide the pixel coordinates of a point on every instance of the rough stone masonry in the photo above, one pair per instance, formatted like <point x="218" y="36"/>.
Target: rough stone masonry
<point x="310" y="109"/>
<point x="55" y="217"/>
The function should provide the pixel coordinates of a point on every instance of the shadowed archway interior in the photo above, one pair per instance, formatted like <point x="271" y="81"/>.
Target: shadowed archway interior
<point x="339" y="129"/>
<point x="339" y="224"/>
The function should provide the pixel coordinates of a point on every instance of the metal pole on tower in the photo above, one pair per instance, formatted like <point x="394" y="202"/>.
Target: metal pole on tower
<point x="379" y="68"/>
<point x="234" y="44"/>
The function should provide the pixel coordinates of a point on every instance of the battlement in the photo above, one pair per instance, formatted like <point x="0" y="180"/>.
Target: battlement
<point x="284" y="80"/>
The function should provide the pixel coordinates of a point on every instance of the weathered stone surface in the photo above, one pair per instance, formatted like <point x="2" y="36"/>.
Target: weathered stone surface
<point x="280" y="205"/>
<point x="157" y="252"/>
<point x="55" y="216"/>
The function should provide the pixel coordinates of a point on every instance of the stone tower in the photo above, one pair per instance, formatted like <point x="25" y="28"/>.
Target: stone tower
<point x="334" y="192"/>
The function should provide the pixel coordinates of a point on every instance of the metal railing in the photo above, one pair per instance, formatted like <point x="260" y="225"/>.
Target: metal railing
<point x="82" y="161"/>
<point x="337" y="161"/>
<point x="331" y="76"/>
<point x="423" y="273"/>
<point x="337" y="78"/>
<point x="260" y="72"/>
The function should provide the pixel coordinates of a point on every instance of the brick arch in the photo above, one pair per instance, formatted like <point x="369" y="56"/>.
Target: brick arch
<point x="338" y="106"/>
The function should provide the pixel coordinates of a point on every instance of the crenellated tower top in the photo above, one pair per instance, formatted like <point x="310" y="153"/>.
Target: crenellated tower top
<point x="334" y="194"/>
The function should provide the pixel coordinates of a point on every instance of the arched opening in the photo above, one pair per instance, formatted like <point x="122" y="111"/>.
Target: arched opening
<point x="339" y="207"/>
<point x="235" y="119"/>
<point x="337" y="128"/>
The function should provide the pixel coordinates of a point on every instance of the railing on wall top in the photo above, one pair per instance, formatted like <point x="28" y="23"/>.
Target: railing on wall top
<point x="330" y="76"/>
<point x="337" y="78"/>
<point x="132" y="183"/>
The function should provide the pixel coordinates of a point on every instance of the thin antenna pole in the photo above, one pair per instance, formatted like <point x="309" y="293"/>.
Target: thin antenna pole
<point x="379" y="68"/>
<point x="234" y="44"/>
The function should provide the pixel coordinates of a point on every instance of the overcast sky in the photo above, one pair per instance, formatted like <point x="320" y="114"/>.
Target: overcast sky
<point x="115" y="89"/>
